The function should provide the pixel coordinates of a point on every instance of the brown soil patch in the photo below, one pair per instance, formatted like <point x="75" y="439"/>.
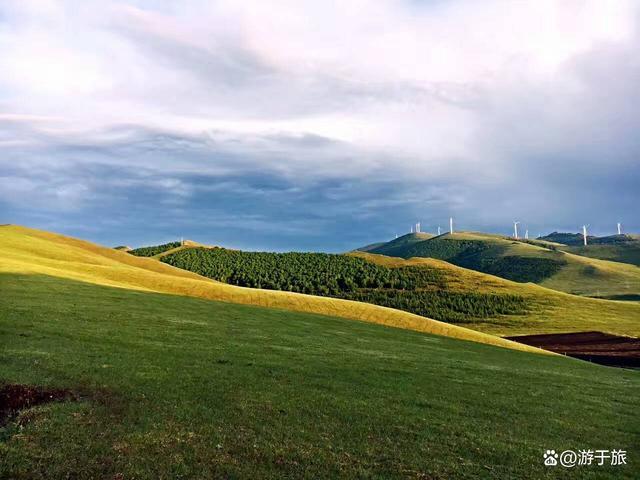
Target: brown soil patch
<point x="14" y="398"/>
<point x="597" y="347"/>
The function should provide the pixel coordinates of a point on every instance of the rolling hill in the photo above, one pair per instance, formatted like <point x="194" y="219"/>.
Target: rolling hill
<point x="394" y="247"/>
<point x="542" y="262"/>
<point x="29" y="251"/>
<point x="421" y="290"/>
<point x="444" y="291"/>
<point x="158" y="384"/>
<point x="623" y="248"/>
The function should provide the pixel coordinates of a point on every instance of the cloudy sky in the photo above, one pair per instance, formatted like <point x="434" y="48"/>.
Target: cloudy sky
<point x="317" y="125"/>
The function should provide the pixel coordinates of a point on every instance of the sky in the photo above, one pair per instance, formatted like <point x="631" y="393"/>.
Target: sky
<point x="317" y="125"/>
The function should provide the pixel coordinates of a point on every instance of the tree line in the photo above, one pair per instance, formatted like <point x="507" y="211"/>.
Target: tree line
<point x="154" y="250"/>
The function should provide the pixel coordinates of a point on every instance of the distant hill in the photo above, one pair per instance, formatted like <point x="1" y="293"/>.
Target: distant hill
<point x="165" y="248"/>
<point x="123" y="248"/>
<point x="370" y="247"/>
<point x="154" y="250"/>
<point x="623" y="248"/>
<point x="400" y="244"/>
<point x="542" y="261"/>
<point x="565" y="238"/>
<point x="576" y="239"/>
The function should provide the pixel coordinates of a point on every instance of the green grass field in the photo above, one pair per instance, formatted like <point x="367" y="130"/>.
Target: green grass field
<point x="177" y="387"/>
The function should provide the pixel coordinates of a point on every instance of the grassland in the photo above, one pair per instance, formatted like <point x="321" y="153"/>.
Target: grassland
<point x="535" y="261"/>
<point x="628" y="252"/>
<point x="176" y="387"/>
<point x="551" y="311"/>
<point x="31" y="251"/>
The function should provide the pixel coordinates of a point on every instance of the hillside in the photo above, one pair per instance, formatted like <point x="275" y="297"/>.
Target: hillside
<point x="577" y="240"/>
<point x="451" y="293"/>
<point x="154" y="250"/>
<point x="628" y="252"/>
<point x="528" y="261"/>
<point x="623" y="248"/>
<point x="29" y="251"/>
<point x="167" y="386"/>
<point x="150" y="382"/>
<point x="550" y="311"/>
<point x="399" y="244"/>
<point x="421" y="290"/>
<point x="371" y="246"/>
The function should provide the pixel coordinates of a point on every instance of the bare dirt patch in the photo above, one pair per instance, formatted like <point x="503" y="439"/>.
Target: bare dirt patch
<point x="596" y="347"/>
<point x="14" y="398"/>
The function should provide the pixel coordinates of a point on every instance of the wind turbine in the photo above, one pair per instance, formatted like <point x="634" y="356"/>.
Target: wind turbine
<point x="451" y="225"/>
<point x="584" y="234"/>
<point x="411" y="228"/>
<point x="438" y="230"/>
<point x="526" y="234"/>
<point x="619" y="228"/>
<point x="515" y="229"/>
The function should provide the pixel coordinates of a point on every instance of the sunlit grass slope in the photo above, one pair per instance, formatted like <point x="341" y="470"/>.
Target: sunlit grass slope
<point x="519" y="260"/>
<point x="176" y="387"/>
<point x="32" y="251"/>
<point x="552" y="311"/>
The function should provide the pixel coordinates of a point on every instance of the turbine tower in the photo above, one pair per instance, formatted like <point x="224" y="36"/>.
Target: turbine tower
<point x="619" y="228"/>
<point x="411" y="228"/>
<point x="451" y="225"/>
<point x="515" y="229"/>
<point x="584" y="234"/>
<point x="438" y="230"/>
<point x="526" y="234"/>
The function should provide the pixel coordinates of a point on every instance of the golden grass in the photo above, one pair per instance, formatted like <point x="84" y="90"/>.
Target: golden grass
<point x="30" y="251"/>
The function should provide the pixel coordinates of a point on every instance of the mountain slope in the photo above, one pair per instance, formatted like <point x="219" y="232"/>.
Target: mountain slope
<point x="451" y="293"/>
<point x="623" y="248"/>
<point x="528" y="261"/>
<point x="621" y="252"/>
<point x="551" y="311"/>
<point x="423" y="291"/>
<point x="397" y="245"/>
<point x="29" y="251"/>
